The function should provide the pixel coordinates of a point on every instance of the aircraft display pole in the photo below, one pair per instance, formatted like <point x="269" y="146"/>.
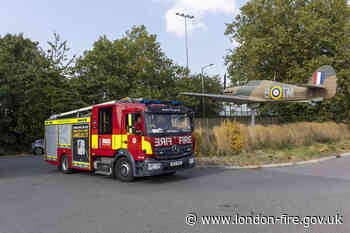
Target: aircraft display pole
<point x="186" y="40"/>
<point x="202" y="77"/>
<point x="253" y="113"/>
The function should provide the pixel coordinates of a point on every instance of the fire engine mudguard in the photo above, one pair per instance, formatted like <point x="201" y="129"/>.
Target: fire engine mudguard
<point x="125" y="153"/>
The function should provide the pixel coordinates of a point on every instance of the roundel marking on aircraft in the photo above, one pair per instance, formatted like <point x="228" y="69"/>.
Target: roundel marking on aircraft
<point x="276" y="92"/>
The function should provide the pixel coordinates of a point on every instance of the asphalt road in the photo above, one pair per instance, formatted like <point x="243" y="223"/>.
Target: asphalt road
<point x="36" y="197"/>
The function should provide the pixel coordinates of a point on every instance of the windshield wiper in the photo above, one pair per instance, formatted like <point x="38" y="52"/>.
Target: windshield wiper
<point x="158" y="130"/>
<point x="173" y="130"/>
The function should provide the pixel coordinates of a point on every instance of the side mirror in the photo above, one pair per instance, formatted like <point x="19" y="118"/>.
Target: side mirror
<point x="137" y="132"/>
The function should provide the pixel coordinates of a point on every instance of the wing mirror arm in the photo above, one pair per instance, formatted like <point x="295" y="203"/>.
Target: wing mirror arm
<point x="136" y="132"/>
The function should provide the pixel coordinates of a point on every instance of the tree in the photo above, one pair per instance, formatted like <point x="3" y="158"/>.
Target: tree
<point x="193" y="83"/>
<point x="30" y="91"/>
<point x="18" y="62"/>
<point x="287" y="40"/>
<point x="132" y="66"/>
<point x="135" y="66"/>
<point x="58" y="55"/>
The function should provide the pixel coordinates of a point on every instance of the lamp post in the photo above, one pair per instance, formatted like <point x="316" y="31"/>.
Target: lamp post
<point x="202" y="75"/>
<point x="186" y="42"/>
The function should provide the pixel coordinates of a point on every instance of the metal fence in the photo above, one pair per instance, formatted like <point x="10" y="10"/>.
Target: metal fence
<point x="212" y="122"/>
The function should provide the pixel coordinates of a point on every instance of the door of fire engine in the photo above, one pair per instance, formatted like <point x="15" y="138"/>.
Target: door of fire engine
<point x="105" y="128"/>
<point x="135" y="130"/>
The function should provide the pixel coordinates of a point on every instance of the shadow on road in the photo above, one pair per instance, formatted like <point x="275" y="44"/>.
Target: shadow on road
<point x="25" y="166"/>
<point x="181" y="175"/>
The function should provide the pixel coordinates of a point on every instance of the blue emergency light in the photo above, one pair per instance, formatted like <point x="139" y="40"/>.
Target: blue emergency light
<point x="161" y="102"/>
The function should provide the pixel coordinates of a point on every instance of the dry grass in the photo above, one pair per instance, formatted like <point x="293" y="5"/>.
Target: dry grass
<point x="260" y="157"/>
<point x="289" y="135"/>
<point x="231" y="138"/>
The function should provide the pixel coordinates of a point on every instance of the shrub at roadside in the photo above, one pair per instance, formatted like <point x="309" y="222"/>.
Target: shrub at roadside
<point x="205" y="142"/>
<point x="228" y="138"/>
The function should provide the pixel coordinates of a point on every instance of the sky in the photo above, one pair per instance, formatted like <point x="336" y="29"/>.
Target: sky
<point x="81" y="22"/>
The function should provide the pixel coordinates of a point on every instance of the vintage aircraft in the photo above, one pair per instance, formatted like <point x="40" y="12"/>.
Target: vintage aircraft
<point x="322" y="85"/>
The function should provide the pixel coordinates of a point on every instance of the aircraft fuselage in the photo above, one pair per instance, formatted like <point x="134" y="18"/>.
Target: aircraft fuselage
<point x="270" y="91"/>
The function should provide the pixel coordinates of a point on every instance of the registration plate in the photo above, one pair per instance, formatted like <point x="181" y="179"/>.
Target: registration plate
<point x="176" y="163"/>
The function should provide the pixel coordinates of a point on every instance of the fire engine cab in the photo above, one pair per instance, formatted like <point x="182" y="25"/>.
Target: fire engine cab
<point x="125" y="139"/>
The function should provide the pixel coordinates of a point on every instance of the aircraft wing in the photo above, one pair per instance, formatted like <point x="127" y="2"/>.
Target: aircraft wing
<point x="224" y="98"/>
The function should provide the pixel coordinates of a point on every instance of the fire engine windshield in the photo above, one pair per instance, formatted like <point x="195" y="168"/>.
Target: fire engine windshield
<point x="167" y="123"/>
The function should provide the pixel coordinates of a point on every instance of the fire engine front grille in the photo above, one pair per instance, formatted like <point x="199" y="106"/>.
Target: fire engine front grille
<point x="174" y="151"/>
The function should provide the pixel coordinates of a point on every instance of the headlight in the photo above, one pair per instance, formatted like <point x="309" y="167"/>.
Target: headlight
<point x="153" y="166"/>
<point x="191" y="160"/>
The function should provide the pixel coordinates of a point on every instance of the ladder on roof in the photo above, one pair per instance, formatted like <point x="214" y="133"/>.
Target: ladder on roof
<point x="124" y="100"/>
<point x="77" y="111"/>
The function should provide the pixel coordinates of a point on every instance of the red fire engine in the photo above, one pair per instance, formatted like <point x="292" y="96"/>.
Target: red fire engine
<point x="126" y="138"/>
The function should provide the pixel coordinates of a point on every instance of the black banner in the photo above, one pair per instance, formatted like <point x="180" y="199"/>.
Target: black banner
<point x="80" y="140"/>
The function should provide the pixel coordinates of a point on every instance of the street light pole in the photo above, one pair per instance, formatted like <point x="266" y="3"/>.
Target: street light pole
<point x="186" y="42"/>
<point x="202" y="76"/>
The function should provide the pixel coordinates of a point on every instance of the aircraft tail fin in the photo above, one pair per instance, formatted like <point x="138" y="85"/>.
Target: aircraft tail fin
<point x="324" y="78"/>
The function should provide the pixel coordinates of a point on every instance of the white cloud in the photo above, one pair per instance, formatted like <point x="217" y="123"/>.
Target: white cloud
<point x="197" y="8"/>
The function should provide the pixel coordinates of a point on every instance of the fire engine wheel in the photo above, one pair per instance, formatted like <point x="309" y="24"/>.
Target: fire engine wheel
<point x="123" y="170"/>
<point x="64" y="166"/>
